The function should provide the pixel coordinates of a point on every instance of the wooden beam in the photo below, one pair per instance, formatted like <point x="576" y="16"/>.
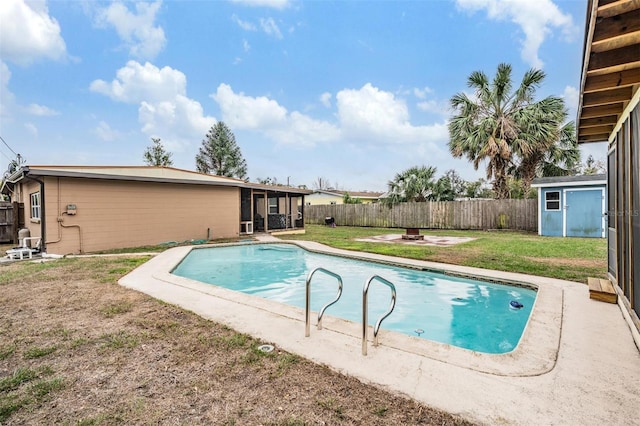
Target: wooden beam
<point x="622" y="94"/>
<point x="617" y="26"/>
<point x="614" y="60"/>
<point x="598" y="121"/>
<point x="593" y="138"/>
<point x="600" y="111"/>
<point x="597" y="130"/>
<point x="608" y="8"/>
<point x="607" y="81"/>
<point x="623" y="40"/>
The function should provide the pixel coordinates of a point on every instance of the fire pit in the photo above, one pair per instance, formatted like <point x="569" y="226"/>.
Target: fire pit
<point x="413" y="234"/>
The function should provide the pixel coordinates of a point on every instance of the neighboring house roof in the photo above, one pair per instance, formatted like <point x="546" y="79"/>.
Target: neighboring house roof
<point x="611" y="67"/>
<point x="142" y="173"/>
<point x="580" y="180"/>
<point x="352" y="194"/>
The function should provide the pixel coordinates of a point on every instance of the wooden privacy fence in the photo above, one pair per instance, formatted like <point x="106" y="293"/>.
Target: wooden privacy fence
<point x="11" y="220"/>
<point x="470" y="214"/>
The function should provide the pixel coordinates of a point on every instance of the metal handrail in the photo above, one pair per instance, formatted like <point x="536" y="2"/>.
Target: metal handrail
<point x="307" y="314"/>
<point x="365" y="326"/>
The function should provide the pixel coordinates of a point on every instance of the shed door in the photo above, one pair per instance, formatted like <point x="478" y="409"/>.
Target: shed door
<point x="584" y="213"/>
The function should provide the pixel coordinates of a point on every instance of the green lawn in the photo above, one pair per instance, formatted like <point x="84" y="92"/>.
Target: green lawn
<point x="572" y="259"/>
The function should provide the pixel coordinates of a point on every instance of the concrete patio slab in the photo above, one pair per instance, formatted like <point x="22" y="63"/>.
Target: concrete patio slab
<point x="577" y="362"/>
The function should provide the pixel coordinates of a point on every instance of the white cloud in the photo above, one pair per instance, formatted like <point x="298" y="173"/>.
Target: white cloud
<point x="421" y="93"/>
<point x="246" y="46"/>
<point x="270" y="27"/>
<point x="302" y="130"/>
<point x="41" y="110"/>
<point x="245" y="112"/>
<point x="433" y="107"/>
<point x="135" y="83"/>
<point x="247" y="26"/>
<point x="367" y="117"/>
<point x="325" y="98"/>
<point x="369" y="111"/>
<point x="164" y="109"/>
<point x="31" y="129"/>
<point x="179" y="122"/>
<point x="276" y="4"/>
<point x="28" y="33"/>
<point x="268" y="117"/>
<point x="105" y="132"/>
<point x="136" y="29"/>
<point x="535" y="18"/>
<point x="6" y="97"/>
<point x="375" y="117"/>
<point x="571" y="97"/>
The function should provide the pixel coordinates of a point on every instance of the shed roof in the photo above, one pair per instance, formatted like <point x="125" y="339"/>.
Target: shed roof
<point x="611" y="66"/>
<point x="598" y="179"/>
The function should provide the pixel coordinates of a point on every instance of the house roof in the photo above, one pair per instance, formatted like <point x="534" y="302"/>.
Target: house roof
<point x="581" y="180"/>
<point x="353" y="194"/>
<point x="611" y="66"/>
<point x="142" y="173"/>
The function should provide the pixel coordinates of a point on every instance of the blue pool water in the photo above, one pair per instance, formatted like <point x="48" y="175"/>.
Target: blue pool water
<point x="462" y="312"/>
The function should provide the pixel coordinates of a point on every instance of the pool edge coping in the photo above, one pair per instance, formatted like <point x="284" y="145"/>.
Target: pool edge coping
<point x="535" y="354"/>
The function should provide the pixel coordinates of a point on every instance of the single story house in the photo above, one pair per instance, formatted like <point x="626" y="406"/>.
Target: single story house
<point x="571" y="206"/>
<point x="333" y="196"/>
<point x="609" y="111"/>
<point x="78" y="209"/>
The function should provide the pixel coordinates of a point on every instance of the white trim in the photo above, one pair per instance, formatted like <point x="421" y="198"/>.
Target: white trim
<point x="563" y="207"/>
<point x="559" y="200"/>
<point x="540" y="212"/>
<point x="576" y="183"/>
<point x="35" y="208"/>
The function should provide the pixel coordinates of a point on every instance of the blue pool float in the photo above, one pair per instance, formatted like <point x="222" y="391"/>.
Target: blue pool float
<point x="516" y="304"/>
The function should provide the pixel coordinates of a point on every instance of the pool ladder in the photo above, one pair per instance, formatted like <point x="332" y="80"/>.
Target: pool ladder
<point x="307" y="313"/>
<point x="365" y="295"/>
<point x="376" y="328"/>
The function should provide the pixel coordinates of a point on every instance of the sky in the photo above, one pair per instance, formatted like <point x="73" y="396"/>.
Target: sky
<point x="352" y="92"/>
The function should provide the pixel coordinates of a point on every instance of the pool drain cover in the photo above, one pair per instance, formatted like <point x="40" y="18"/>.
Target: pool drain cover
<point x="265" y="348"/>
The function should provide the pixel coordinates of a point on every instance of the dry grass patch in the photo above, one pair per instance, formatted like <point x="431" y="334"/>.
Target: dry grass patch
<point x="79" y="349"/>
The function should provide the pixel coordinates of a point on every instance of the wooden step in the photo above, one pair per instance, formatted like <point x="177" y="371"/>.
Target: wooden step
<point x="602" y="290"/>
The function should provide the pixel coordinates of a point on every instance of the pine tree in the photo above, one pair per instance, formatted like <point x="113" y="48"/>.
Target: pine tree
<point x="220" y="154"/>
<point x="155" y="155"/>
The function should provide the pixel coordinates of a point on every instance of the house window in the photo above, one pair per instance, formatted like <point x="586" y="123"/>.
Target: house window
<point x="552" y="201"/>
<point x="273" y="205"/>
<point x="35" y="206"/>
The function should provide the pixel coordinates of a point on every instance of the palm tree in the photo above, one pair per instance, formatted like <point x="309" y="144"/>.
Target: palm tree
<point x="413" y="184"/>
<point x="500" y="125"/>
<point x="558" y="155"/>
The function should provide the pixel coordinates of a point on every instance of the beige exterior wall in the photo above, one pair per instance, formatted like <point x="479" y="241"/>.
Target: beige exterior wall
<point x="23" y="195"/>
<point x="120" y="214"/>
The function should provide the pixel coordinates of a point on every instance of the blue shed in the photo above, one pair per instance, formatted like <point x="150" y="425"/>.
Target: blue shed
<point x="572" y="206"/>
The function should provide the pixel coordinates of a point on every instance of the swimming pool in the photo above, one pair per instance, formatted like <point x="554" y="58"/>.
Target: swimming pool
<point x="463" y="312"/>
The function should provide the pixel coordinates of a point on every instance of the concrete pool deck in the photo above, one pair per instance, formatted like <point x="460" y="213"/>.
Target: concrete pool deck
<point x="577" y="362"/>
